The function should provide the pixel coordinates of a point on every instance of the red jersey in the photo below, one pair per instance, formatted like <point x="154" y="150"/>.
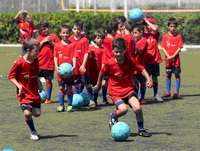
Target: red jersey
<point x="141" y="50"/>
<point x="107" y="43"/>
<point x="94" y="62"/>
<point x="130" y="44"/>
<point x="64" y="54"/>
<point x="27" y="75"/>
<point x="45" y="55"/>
<point x="153" y="54"/>
<point x="25" y="29"/>
<point x="120" y="77"/>
<point x="80" y="49"/>
<point x="171" y="43"/>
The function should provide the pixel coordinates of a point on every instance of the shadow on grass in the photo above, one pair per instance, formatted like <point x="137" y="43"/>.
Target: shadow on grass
<point x="161" y="133"/>
<point x="55" y="136"/>
<point x="152" y="133"/>
<point x="128" y="140"/>
<point x="87" y="109"/>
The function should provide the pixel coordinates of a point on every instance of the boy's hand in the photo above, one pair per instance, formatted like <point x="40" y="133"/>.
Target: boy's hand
<point x="82" y="69"/>
<point x="20" y="92"/>
<point x="149" y="83"/>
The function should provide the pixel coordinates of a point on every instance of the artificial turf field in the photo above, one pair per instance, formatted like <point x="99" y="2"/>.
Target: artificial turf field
<point x="174" y="124"/>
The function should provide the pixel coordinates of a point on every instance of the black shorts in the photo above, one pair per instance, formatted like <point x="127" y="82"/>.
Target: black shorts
<point x="30" y="106"/>
<point x="153" y="69"/>
<point x="125" y="100"/>
<point x="175" y="70"/>
<point x="47" y="74"/>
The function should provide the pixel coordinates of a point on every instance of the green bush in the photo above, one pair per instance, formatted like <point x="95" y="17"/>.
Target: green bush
<point x="188" y="23"/>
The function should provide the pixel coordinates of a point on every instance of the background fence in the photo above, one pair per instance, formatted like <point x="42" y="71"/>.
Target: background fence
<point x="113" y="5"/>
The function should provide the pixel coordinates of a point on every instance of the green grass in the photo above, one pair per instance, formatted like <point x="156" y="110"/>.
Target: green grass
<point x="174" y="124"/>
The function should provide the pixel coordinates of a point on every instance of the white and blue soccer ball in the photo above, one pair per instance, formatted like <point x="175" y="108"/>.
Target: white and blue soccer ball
<point x="65" y="70"/>
<point x="136" y="14"/>
<point x="77" y="101"/>
<point x="86" y="98"/>
<point x="43" y="95"/>
<point x="120" y="131"/>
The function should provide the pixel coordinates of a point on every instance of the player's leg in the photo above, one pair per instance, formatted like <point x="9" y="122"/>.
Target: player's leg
<point x="121" y="109"/>
<point x="27" y="111"/>
<point x="142" y="82"/>
<point x="61" y="96"/>
<point x="155" y="73"/>
<point x="177" y="72"/>
<point x="69" y="97"/>
<point x="104" y="90"/>
<point x="168" y="82"/>
<point x="135" y="105"/>
<point x="48" y="75"/>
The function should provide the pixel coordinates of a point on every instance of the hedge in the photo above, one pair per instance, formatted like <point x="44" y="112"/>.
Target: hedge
<point x="189" y="23"/>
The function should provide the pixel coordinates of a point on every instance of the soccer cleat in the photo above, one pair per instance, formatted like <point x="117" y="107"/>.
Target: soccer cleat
<point x="144" y="133"/>
<point x="112" y="119"/>
<point x="166" y="95"/>
<point x="69" y="108"/>
<point x="158" y="98"/>
<point x="176" y="96"/>
<point x="92" y="104"/>
<point x="60" y="108"/>
<point x="34" y="136"/>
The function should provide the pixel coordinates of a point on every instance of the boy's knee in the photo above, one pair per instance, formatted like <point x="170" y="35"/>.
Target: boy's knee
<point x="36" y="112"/>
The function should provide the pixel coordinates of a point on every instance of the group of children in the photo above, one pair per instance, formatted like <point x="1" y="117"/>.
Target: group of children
<point x="122" y="60"/>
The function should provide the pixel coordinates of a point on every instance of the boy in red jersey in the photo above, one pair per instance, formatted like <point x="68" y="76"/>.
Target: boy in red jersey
<point x="45" y="56"/>
<point x="153" y="56"/>
<point x="172" y="42"/>
<point x="139" y="55"/>
<point x="94" y="65"/>
<point x="25" y="25"/>
<point x="64" y="53"/>
<point x="24" y="75"/>
<point x="81" y="45"/>
<point x="120" y="69"/>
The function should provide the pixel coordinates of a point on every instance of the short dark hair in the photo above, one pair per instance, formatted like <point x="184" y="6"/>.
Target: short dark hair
<point x="65" y="26"/>
<point x="172" y="20"/>
<point x="110" y="27"/>
<point x="138" y="27"/>
<point x="119" y="44"/>
<point x="99" y="33"/>
<point x="79" y="24"/>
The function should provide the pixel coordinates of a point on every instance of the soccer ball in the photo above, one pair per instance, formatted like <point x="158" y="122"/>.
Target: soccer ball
<point x="77" y="101"/>
<point x="65" y="70"/>
<point x="43" y="95"/>
<point x="86" y="98"/>
<point x="136" y="14"/>
<point x="120" y="131"/>
<point x="7" y="149"/>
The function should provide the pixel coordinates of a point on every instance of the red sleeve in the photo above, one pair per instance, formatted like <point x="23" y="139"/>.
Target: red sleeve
<point x="137" y="65"/>
<point x="55" y="52"/>
<point x="105" y="69"/>
<point x="13" y="71"/>
<point x="163" y="41"/>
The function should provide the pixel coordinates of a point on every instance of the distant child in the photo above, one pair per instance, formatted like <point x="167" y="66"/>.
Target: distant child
<point x="94" y="65"/>
<point x="46" y="61"/>
<point x="64" y="53"/>
<point x="24" y="75"/>
<point x="25" y="25"/>
<point x="139" y="54"/>
<point x="120" y="70"/>
<point x="81" y="44"/>
<point x="172" y="42"/>
<point x="153" y="56"/>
